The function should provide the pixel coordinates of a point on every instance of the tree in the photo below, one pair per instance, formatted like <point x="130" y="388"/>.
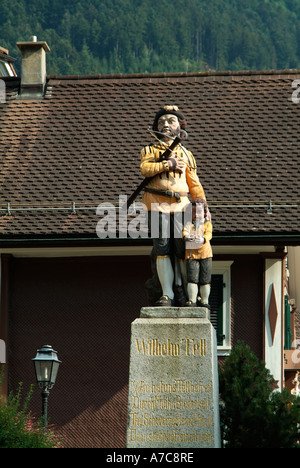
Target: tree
<point x="138" y="36"/>
<point x="253" y="415"/>
<point x="19" y="428"/>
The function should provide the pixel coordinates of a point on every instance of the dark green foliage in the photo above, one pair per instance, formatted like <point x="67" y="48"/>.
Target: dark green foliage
<point x="252" y="414"/>
<point x="18" y="427"/>
<point x="142" y="36"/>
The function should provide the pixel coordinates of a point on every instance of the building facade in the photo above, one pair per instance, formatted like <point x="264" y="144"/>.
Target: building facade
<point x="71" y="149"/>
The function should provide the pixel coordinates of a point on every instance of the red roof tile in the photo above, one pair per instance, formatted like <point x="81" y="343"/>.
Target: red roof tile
<point x="82" y="144"/>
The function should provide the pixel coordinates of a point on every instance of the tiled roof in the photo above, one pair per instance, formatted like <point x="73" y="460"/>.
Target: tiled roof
<point x="81" y="145"/>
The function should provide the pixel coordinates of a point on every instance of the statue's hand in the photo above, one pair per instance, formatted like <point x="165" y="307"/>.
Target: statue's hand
<point x="189" y="238"/>
<point x="200" y="240"/>
<point x="176" y="165"/>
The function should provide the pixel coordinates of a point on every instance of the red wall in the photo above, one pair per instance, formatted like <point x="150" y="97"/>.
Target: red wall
<point x="84" y="307"/>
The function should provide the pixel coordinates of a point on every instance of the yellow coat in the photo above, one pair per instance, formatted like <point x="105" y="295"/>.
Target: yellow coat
<point x="187" y="182"/>
<point x="191" y="249"/>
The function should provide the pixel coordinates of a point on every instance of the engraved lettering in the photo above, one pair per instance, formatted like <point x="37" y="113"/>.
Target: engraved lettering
<point x="187" y="346"/>
<point x="171" y="411"/>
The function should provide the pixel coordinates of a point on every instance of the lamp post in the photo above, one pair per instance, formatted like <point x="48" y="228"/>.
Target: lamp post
<point x="46" y="366"/>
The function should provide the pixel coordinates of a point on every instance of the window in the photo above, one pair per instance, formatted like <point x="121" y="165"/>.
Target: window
<point x="220" y="304"/>
<point x="5" y="69"/>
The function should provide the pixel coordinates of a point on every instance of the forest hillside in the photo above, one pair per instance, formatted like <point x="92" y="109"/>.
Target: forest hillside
<point x="148" y="36"/>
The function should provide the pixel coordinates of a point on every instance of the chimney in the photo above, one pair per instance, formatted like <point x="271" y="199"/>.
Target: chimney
<point x="33" y="68"/>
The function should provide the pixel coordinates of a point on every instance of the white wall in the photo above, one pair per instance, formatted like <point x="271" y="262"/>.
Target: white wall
<point x="294" y="271"/>
<point x="273" y="348"/>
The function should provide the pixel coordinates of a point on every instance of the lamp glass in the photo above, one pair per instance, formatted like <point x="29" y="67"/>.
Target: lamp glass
<point x="46" y="366"/>
<point x="55" y="366"/>
<point x="43" y="371"/>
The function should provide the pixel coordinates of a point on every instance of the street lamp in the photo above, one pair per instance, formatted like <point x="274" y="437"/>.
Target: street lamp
<point x="46" y="366"/>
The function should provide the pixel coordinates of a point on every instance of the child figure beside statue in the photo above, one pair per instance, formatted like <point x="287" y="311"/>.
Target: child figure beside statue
<point x="198" y="254"/>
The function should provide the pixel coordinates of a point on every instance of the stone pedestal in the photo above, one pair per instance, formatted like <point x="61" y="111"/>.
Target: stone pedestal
<point x="173" y="381"/>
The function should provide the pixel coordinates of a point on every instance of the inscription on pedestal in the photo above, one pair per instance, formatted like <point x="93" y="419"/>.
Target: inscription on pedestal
<point x="174" y="399"/>
<point x="172" y="386"/>
<point x="186" y="346"/>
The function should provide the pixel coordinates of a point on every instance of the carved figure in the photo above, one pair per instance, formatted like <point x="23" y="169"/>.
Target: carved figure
<point x="197" y="235"/>
<point x="166" y="196"/>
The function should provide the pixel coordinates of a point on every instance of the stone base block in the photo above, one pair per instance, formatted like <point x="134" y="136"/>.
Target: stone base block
<point x="173" y="382"/>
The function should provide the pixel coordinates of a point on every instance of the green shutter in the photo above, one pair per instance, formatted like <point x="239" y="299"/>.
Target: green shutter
<point x="287" y="324"/>
<point x="216" y="304"/>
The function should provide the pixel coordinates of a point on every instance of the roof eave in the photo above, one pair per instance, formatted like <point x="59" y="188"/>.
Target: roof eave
<point x="256" y="239"/>
<point x="278" y="239"/>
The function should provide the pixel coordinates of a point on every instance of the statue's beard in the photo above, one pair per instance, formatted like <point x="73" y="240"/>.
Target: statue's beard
<point x="168" y="131"/>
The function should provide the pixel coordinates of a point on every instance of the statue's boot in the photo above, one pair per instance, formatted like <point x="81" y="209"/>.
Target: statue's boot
<point x="192" y="290"/>
<point x="166" y="277"/>
<point x="204" y="294"/>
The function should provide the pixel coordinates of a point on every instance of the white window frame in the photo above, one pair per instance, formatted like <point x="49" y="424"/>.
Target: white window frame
<point x="223" y="267"/>
<point x="5" y="69"/>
